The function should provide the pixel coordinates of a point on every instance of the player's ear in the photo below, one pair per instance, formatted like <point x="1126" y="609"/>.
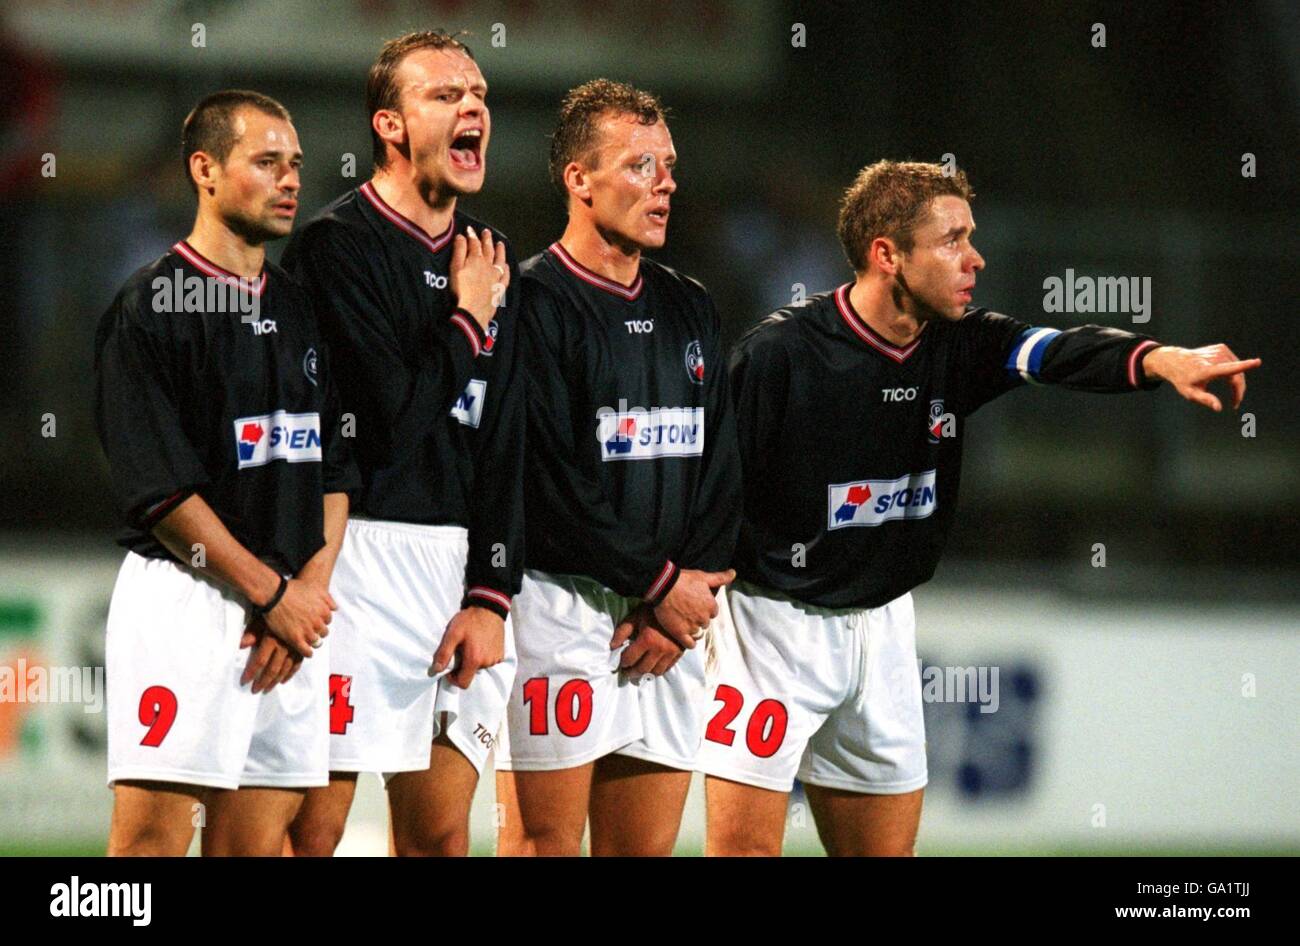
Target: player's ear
<point x="388" y="125"/>
<point x="575" y="179"/>
<point x="883" y="254"/>
<point x="203" y="170"/>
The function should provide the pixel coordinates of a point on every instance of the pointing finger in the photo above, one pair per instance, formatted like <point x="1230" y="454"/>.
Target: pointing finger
<point x="1232" y="367"/>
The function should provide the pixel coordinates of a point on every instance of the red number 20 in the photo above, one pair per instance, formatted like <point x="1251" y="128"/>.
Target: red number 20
<point x="767" y="724"/>
<point x="158" y="712"/>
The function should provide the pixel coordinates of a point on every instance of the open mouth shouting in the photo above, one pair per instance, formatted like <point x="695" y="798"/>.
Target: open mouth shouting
<point x="467" y="150"/>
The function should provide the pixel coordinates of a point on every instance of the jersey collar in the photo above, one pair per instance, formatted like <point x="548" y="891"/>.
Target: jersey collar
<point x="213" y="271"/>
<point x="628" y="293"/>
<point x="409" y="227"/>
<point x="867" y="333"/>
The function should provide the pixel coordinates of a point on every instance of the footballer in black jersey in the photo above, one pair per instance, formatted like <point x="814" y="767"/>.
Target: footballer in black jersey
<point x="632" y="500"/>
<point x="215" y="405"/>
<point x="851" y="410"/>
<point x="418" y="301"/>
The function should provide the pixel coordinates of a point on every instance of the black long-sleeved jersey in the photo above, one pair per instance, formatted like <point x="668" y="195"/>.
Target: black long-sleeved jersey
<point x="851" y="446"/>
<point x="208" y="384"/>
<point x="632" y="465"/>
<point x="439" y="419"/>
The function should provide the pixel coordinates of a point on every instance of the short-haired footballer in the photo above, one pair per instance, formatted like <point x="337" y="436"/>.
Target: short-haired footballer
<point x="418" y="301"/>
<point x="632" y="502"/>
<point x="851" y="409"/>
<point x="215" y="407"/>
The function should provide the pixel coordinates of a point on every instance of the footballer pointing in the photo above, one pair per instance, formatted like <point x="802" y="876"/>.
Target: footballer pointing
<point x="850" y="491"/>
<point x="221" y="433"/>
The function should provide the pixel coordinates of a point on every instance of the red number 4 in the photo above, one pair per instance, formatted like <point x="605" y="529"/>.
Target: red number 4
<point x="341" y="711"/>
<point x="767" y="724"/>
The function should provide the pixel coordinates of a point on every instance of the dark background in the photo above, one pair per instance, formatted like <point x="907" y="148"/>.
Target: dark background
<point x="1121" y="161"/>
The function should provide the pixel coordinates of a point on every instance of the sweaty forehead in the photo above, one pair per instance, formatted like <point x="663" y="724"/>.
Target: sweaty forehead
<point x="620" y="133"/>
<point x="257" y="131"/>
<point x="426" y="67"/>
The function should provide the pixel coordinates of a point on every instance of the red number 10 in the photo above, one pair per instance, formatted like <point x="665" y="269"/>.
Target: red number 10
<point x="572" y="706"/>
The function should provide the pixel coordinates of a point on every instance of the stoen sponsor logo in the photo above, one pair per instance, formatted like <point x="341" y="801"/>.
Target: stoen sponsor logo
<point x="871" y="502"/>
<point x="294" y="438"/>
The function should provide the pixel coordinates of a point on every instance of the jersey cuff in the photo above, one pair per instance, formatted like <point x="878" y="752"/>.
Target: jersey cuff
<point x="1137" y="376"/>
<point x="481" y="596"/>
<point x="663" y="584"/>
<point x="150" y="516"/>
<point x="466" y="323"/>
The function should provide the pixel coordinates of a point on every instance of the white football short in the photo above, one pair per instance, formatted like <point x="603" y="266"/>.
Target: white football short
<point x="570" y="703"/>
<point x="397" y="585"/>
<point x="176" y="709"/>
<point x="832" y="696"/>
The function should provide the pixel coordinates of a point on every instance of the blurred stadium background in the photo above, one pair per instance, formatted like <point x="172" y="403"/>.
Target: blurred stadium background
<point x="1147" y="706"/>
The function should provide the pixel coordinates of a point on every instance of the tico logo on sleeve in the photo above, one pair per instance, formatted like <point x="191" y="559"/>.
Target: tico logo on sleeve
<point x="871" y="502"/>
<point x="659" y="432"/>
<point x="294" y="438"/>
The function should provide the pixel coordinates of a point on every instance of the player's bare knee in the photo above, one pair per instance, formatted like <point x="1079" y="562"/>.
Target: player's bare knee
<point x="549" y="841"/>
<point x="316" y="837"/>
<point x="870" y="848"/>
<point x="741" y="845"/>
<point x="149" y="840"/>
<point x="736" y="838"/>
<point x="448" y="841"/>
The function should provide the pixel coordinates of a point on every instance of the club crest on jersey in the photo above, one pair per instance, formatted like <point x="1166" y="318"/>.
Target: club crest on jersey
<point x="695" y="362"/>
<point x="935" y="424"/>
<point x="468" y="408"/>
<point x="871" y="502"/>
<point x="642" y="435"/>
<point x="489" y="338"/>
<point x="309" y="365"/>
<point x="294" y="438"/>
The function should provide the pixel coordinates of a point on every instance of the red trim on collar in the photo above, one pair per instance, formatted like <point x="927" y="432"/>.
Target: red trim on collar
<point x="629" y="293"/>
<point x="409" y="227"/>
<point x="867" y="333"/>
<point x="213" y="271"/>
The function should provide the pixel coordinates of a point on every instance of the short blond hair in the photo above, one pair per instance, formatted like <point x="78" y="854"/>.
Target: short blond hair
<point x="890" y="199"/>
<point x="581" y="112"/>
